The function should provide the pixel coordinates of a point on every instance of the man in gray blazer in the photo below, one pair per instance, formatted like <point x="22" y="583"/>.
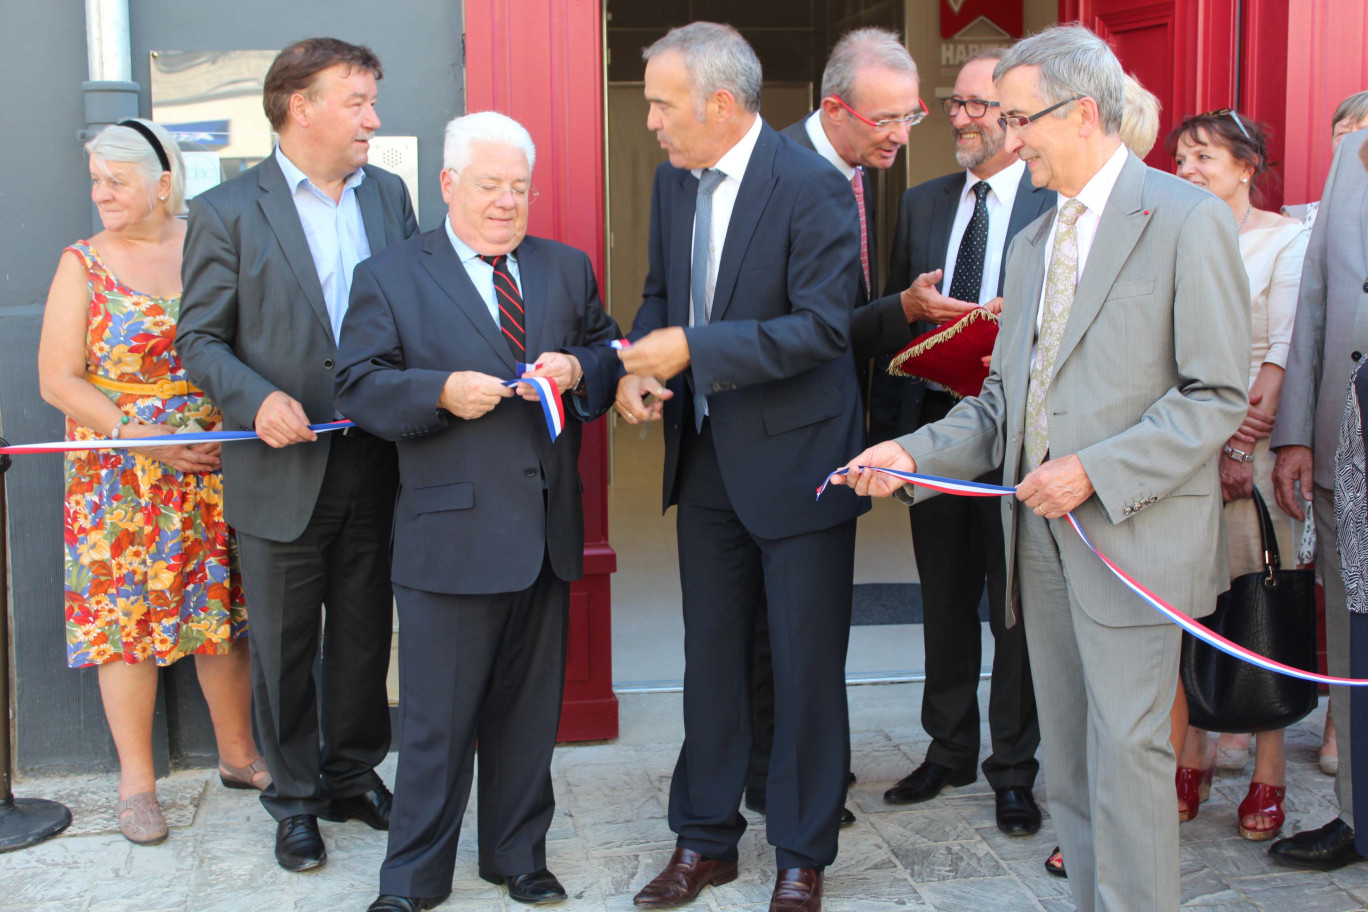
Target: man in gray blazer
<point x="1328" y="338"/>
<point x="268" y="267"/>
<point x="1119" y="371"/>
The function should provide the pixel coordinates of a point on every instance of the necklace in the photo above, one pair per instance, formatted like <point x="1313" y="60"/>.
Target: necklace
<point x="1248" y="212"/>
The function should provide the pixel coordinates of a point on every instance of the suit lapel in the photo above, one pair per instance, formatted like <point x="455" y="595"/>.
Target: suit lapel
<point x="1031" y="201"/>
<point x="532" y="277"/>
<point x="277" y="204"/>
<point x="756" y="187"/>
<point x="445" y="267"/>
<point x="681" y="247"/>
<point x="372" y="213"/>
<point x="1123" y="220"/>
<point x="942" y="222"/>
<point x="1033" y="283"/>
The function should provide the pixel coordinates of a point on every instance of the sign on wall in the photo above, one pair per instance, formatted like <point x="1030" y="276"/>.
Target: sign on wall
<point x="970" y="25"/>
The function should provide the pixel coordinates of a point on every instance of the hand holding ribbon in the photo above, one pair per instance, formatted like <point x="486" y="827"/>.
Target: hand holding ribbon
<point x="661" y="353"/>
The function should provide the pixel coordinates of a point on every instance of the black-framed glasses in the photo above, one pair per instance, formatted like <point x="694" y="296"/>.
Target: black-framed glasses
<point x="974" y="107"/>
<point x="1222" y="112"/>
<point x="910" y="120"/>
<point x="1021" y="121"/>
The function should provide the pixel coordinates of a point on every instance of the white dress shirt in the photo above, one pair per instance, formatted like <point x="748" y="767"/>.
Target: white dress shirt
<point x="335" y="231"/>
<point x="481" y="273"/>
<point x="733" y="164"/>
<point x="824" y="148"/>
<point x="1002" y="192"/>
<point x="1093" y="196"/>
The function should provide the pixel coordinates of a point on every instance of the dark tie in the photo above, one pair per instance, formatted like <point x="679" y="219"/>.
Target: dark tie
<point x="857" y="181"/>
<point x="509" y="299"/>
<point x="967" y="283"/>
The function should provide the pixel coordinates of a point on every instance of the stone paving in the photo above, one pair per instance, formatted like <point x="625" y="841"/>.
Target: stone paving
<point x="610" y="836"/>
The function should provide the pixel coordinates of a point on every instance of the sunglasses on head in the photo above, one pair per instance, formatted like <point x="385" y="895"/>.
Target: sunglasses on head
<point x="1222" y="112"/>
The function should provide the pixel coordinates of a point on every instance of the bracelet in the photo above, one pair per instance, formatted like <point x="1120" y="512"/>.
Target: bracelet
<point x="1237" y="455"/>
<point x="118" y="428"/>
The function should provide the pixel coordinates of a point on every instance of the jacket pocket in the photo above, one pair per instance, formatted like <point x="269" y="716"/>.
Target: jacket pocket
<point x="781" y="419"/>
<point x="1132" y="288"/>
<point x="439" y="498"/>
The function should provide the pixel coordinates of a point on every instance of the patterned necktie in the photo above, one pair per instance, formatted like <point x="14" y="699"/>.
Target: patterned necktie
<point x="698" y="276"/>
<point x="1060" y="283"/>
<point x="510" y="302"/>
<point x="967" y="283"/>
<point x="857" y="181"/>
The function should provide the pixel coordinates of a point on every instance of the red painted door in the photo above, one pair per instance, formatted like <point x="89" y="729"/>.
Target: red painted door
<point x="541" y="63"/>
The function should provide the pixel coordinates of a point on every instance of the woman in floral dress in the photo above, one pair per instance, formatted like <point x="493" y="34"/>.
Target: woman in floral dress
<point x="151" y="572"/>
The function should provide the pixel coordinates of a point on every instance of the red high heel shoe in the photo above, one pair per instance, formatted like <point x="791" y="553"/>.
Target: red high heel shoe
<point x="1262" y="801"/>
<point x="1194" y="787"/>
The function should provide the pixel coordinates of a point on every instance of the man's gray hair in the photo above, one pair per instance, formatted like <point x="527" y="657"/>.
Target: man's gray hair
<point x="125" y="144"/>
<point x="716" y="57"/>
<point x="484" y="127"/>
<point x="859" y="49"/>
<point x="1353" y="109"/>
<point x="1072" y="61"/>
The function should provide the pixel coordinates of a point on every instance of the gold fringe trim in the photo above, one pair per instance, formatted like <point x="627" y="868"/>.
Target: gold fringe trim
<point x="925" y="345"/>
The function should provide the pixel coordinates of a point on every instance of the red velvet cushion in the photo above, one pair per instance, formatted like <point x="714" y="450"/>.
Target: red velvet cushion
<point x="952" y="354"/>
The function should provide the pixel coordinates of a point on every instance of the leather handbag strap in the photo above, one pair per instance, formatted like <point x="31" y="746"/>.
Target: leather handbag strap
<point x="1268" y="536"/>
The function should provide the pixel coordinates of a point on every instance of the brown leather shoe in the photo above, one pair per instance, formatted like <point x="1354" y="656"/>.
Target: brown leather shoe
<point x="797" y="890"/>
<point x="683" y="877"/>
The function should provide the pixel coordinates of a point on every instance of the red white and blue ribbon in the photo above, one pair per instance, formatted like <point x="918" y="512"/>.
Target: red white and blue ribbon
<point x="133" y="443"/>
<point x="620" y="344"/>
<point x="549" y="396"/>
<point x="1198" y="630"/>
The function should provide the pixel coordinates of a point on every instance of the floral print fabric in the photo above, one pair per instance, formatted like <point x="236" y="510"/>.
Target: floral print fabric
<point x="151" y="567"/>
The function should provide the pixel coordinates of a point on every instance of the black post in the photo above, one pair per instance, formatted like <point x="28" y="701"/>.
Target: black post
<point x="23" y="821"/>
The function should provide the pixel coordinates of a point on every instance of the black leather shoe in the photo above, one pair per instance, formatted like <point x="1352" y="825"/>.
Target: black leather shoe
<point x="1017" y="812"/>
<point x="538" y="888"/>
<point x="299" y="846"/>
<point x="847" y="817"/>
<point x="371" y="808"/>
<point x="388" y="903"/>
<point x="755" y="799"/>
<point x="1327" y="849"/>
<point x="925" y="782"/>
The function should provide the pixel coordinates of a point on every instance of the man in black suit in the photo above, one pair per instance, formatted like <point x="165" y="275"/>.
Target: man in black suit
<point x="488" y="528"/>
<point x="950" y="247"/>
<point x="268" y="265"/>
<point x="753" y="258"/>
<point x="870" y="101"/>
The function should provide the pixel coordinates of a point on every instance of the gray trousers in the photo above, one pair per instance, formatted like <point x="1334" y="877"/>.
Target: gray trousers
<point x="1336" y="640"/>
<point x="1103" y="695"/>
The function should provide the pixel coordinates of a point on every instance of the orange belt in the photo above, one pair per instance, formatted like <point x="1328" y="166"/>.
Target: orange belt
<point x="165" y="389"/>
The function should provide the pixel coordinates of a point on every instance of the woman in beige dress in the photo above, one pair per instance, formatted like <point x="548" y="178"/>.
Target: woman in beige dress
<point x="1226" y="153"/>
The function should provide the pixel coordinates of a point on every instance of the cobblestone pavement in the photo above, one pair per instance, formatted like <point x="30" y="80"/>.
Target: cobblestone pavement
<point x="610" y="836"/>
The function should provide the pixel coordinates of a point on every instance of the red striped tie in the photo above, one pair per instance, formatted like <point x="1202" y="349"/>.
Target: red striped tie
<point x="510" y="303"/>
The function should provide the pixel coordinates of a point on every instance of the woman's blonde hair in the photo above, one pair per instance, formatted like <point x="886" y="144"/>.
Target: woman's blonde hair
<point x="1140" y="119"/>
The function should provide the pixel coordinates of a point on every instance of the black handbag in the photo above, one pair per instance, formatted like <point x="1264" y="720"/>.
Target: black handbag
<point x="1273" y="613"/>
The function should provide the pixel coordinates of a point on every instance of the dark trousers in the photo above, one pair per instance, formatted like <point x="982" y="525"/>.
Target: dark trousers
<point x="341" y="561"/>
<point x="1358" y="728"/>
<point x="959" y="549"/>
<point x="475" y="668"/>
<point x="804" y="580"/>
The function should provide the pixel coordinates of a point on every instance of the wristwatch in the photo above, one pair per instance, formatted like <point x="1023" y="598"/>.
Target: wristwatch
<point x="1237" y="455"/>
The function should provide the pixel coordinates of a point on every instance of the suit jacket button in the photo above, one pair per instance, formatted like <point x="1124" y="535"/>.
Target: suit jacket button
<point x="1365" y="286"/>
<point x="1355" y="355"/>
<point x="1127" y="511"/>
<point x="530" y="473"/>
<point x="327" y="363"/>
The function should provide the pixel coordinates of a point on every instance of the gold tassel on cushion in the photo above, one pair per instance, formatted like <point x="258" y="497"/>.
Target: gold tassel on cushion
<point x="937" y="337"/>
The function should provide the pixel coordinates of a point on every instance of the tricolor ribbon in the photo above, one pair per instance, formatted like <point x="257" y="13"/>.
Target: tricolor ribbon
<point x="1198" y="630"/>
<point x="187" y="439"/>
<point x="549" y="396"/>
<point x="620" y="344"/>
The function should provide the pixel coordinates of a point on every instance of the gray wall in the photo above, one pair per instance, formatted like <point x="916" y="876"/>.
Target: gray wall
<point x="44" y="206"/>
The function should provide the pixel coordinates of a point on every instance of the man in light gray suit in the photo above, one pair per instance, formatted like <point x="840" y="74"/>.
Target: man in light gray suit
<point x="267" y="271"/>
<point x="1329" y="336"/>
<point x="1119" y="371"/>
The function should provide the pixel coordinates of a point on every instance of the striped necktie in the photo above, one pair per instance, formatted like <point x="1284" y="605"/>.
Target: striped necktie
<point x="510" y="302"/>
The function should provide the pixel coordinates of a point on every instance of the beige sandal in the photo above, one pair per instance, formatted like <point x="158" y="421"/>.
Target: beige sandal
<point x="254" y="775"/>
<point x="140" y="819"/>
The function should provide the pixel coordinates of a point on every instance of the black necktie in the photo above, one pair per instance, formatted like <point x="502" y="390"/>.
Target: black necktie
<point x="509" y="299"/>
<point x="968" y="280"/>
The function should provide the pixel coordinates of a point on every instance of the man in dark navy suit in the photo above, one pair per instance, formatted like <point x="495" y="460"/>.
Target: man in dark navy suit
<point x="947" y="258"/>
<point x="488" y="527"/>
<point x="753" y="259"/>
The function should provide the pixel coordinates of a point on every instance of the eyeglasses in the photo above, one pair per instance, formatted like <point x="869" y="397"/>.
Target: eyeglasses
<point x="1222" y="112"/>
<point x="974" y="107"/>
<point x="1021" y="121"/>
<point x="910" y="120"/>
<point x="491" y="191"/>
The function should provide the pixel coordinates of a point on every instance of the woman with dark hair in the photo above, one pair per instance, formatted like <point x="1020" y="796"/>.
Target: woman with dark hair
<point x="1227" y="153"/>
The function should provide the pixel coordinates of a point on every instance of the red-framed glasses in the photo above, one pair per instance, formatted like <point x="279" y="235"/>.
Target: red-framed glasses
<point x="910" y="120"/>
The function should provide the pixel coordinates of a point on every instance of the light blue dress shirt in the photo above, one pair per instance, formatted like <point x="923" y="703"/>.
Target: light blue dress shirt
<point x="480" y="272"/>
<point x="335" y="231"/>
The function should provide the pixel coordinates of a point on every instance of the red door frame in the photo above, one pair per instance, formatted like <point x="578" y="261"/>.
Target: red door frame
<point x="541" y="63"/>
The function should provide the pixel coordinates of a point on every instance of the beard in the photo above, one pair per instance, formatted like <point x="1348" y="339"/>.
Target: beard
<point x="988" y="147"/>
